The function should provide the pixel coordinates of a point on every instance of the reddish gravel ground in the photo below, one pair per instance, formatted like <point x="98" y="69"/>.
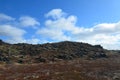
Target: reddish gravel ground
<point x="101" y="69"/>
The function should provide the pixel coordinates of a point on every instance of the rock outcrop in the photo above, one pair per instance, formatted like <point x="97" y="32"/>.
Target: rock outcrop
<point x="66" y="50"/>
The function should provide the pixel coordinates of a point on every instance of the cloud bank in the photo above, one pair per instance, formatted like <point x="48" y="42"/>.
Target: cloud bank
<point x="59" y="26"/>
<point x="13" y="29"/>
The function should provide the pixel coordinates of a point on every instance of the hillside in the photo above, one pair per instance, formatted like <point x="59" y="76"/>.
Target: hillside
<point x="28" y="53"/>
<point x="58" y="61"/>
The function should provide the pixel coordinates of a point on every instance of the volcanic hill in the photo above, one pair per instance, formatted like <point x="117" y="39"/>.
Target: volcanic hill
<point x="66" y="50"/>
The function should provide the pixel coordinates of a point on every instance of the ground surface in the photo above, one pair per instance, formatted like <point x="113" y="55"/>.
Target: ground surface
<point x="101" y="69"/>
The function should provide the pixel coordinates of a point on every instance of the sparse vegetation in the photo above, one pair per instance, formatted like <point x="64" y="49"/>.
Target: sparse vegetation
<point x="58" y="61"/>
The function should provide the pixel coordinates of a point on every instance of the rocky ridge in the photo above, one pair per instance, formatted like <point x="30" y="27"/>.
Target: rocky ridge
<point x="66" y="50"/>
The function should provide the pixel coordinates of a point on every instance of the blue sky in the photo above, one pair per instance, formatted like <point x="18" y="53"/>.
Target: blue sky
<point x="41" y="21"/>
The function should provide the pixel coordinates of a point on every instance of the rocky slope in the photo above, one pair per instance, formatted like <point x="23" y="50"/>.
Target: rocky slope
<point x="66" y="50"/>
<point x="58" y="61"/>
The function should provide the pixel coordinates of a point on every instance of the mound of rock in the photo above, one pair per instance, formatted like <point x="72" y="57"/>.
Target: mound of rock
<point x="66" y="50"/>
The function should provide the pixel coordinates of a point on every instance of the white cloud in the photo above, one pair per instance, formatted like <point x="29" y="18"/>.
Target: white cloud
<point x="27" y="21"/>
<point x="107" y="41"/>
<point x="106" y="34"/>
<point x="4" y="17"/>
<point x="62" y="24"/>
<point x="10" y="29"/>
<point x="60" y="27"/>
<point x="57" y="28"/>
<point x="52" y="34"/>
<point x="105" y="28"/>
<point x="55" y="13"/>
<point x="14" y="34"/>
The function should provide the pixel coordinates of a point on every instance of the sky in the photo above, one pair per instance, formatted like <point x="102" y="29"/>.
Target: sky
<point x="45" y="21"/>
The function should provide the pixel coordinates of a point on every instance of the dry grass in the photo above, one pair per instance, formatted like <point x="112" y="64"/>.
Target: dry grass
<point x="62" y="70"/>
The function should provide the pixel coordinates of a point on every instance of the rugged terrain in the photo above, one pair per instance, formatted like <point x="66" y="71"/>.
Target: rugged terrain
<point x="58" y="61"/>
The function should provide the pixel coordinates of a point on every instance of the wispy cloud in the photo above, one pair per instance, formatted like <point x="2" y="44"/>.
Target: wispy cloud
<point x="4" y="17"/>
<point x="32" y="41"/>
<point x="27" y="21"/>
<point x="55" y="13"/>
